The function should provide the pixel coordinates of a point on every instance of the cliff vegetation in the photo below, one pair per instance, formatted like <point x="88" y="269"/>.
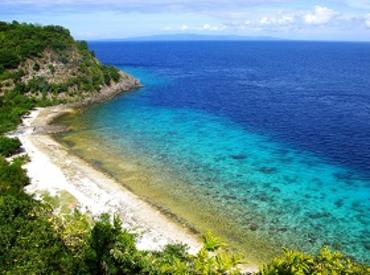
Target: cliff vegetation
<point x="46" y="63"/>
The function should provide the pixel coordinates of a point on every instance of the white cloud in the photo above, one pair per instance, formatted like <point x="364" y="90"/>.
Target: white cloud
<point x="208" y="27"/>
<point x="265" y="21"/>
<point x="320" y="16"/>
<point x="205" y="27"/>
<point x="367" y="21"/>
<point x="280" y="20"/>
<point x="286" y="20"/>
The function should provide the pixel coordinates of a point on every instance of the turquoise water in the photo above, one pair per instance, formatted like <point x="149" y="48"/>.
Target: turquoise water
<point x="269" y="190"/>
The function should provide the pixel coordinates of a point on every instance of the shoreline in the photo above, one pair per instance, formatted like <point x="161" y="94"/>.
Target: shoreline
<point x="53" y="169"/>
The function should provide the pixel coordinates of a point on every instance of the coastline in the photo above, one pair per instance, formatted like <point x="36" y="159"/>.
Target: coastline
<point x="53" y="169"/>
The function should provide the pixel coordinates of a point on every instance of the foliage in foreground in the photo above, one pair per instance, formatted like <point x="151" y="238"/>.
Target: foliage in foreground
<point x="326" y="262"/>
<point x="9" y="146"/>
<point x="34" y="241"/>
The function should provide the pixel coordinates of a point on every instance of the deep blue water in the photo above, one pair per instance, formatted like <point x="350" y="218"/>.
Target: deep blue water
<point x="315" y="96"/>
<point x="275" y="134"/>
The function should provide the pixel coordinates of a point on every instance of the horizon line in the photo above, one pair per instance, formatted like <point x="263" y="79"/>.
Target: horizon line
<point x="217" y="38"/>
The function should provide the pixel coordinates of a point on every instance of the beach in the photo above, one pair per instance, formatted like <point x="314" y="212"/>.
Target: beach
<point x="53" y="169"/>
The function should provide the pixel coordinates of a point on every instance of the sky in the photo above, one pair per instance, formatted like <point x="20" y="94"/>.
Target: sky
<point x="344" y="20"/>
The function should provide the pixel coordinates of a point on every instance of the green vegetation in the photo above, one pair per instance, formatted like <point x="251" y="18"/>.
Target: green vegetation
<point x="44" y="62"/>
<point x="12" y="106"/>
<point x="327" y="262"/>
<point x="9" y="146"/>
<point x="33" y="240"/>
<point x="21" y="41"/>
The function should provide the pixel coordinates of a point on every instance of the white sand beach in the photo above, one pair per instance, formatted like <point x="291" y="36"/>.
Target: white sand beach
<point x="53" y="169"/>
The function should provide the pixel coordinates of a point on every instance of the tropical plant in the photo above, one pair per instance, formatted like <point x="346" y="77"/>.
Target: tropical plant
<point x="326" y="262"/>
<point x="9" y="146"/>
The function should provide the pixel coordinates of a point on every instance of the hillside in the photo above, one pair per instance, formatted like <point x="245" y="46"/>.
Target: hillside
<point x="44" y="62"/>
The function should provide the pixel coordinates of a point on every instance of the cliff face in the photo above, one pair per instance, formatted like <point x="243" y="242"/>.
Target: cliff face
<point x="47" y="63"/>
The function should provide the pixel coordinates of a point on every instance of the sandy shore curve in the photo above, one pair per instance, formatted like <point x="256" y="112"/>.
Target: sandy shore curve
<point x="53" y="169"/>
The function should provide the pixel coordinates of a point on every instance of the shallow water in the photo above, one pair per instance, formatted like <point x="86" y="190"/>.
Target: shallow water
<point x="266" y="145"/>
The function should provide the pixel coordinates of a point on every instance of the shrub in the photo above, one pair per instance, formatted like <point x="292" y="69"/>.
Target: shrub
<point x="51" y="68"/>
<point x="12" y="106"/>
<point x="12" y="177"/>
<point x="38" y="84"/>
<point x="110" y="73"/>
<point x="9" y="146"/>
<point x="18" y="75"/>
<point x="63" y="59"/>
<point x="8" y="59"/>
<point x="327" y="262"/>
<point x="36" y="67"/>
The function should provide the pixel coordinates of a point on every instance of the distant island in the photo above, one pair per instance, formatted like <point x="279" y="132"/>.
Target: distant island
<point x="44" y="73"/>
<point x="198" y="37"/>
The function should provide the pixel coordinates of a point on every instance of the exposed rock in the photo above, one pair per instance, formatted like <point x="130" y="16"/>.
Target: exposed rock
<point x="253" y="227"/>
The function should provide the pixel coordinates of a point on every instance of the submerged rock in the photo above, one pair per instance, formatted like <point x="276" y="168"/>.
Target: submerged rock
<point x="239" y="156"/>
<point x="339" y="203"/>
<point x="268" y="170"/>
<point x="319" y="215"/>
<point x="253" y="227"/>
<point x="263" y="197"/>
<point x="281" y="229"/>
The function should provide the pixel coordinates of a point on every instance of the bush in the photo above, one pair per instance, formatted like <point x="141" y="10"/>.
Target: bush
<point x="8" y="59"/>
<point x="327" y="262"/>
<point x="110" y="73"/>
<point x="22" y="41"/>
<point x="51" y="68"/>
<point x="36" y="67"/>
<point x="12" y="177"/>
<point x="12" y="106"/>
<point x="28" y="242"/>
<point x="9" y="146"/>
<point x="18" y="75"/>
<point x="38" y="84"/>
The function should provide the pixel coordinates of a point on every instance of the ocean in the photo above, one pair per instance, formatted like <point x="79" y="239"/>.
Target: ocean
<point x="266" y="144"/>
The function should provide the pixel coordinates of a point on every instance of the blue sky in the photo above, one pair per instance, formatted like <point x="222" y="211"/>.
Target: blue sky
<point x="106" y="19"/>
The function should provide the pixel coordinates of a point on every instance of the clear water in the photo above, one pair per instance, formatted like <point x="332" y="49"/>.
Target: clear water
<point x="265" y="143"/>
